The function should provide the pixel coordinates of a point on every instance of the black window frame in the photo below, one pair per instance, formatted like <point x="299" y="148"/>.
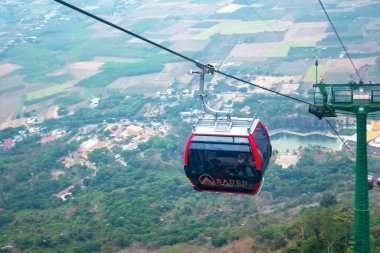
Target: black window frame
<point x="264" y="150"/>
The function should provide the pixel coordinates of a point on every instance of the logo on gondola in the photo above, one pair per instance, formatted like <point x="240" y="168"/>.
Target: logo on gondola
<point x="206" y="179"/>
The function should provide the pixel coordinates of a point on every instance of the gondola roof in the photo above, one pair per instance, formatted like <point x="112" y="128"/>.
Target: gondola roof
<point x="229" y="127"/>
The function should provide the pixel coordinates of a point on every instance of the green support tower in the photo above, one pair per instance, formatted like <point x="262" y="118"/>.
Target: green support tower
<point x="360" y="100"/>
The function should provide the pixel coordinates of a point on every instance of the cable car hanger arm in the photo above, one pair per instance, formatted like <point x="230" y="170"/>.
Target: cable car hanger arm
<point x="208" y="69"/>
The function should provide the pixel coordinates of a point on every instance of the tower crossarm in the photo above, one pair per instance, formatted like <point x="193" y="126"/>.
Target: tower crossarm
<point x="352" y="97"/>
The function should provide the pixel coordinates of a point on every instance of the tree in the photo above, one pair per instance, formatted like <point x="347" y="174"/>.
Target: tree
<point x="328" y="199"/>
<point x="62" y="111"/>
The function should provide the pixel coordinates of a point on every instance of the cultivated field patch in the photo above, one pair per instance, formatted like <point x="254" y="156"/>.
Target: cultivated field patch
<point x="7" y="68"/>
<point x="183" y="46"/>
<point x="102" y="31"/>
<point x="44" y="94"/>
<point x="69" y="99"/>
<point x="373" y="25"/>
<point x="252" y="50"/>
<point x="82" y="70"/>
<point x="183" y="36"/>
<point x="340" y="70"/>
<point x="276" y="82"/>
<point x="306" y="34"/>
<point x="339" y="77"/>
<point x="182" y="9"/>
<point x="344" y="4"/>
<point x="141" y="80"/>
<point x="149" y="84"/>
<point x="180" y="26"/>
<point x="344" y="65"/>
<point x="368" y="47"/>
<point x="241" y="27"/>
<point x="56" y="73"/>
<point x="104" y="59"/>
<point x="280" y="50"/>
<point x="11" y="81"/>
<point x="230" y="8"/>
<point x="292" y="68"/>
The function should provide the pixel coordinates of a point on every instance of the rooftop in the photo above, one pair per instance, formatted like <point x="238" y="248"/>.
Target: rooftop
<point x="8" y="143"/>
<point x="49" y="138"/>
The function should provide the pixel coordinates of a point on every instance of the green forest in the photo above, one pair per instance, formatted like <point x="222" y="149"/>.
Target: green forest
<point x="149" y="203"/>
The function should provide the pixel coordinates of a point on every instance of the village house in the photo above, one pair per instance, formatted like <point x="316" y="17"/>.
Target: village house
<point x="246" y="109"/>
<point x="8" y="143"/>
<point x="65" y="192"/>
<point x="31" y="120"/>
<point x="132" y="129"/>
<point x="48" y="139"/>
<point x="94" y="102"/>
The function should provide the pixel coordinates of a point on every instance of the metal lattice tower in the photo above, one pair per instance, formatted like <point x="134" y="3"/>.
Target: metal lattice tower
<point x="359" y="99"/>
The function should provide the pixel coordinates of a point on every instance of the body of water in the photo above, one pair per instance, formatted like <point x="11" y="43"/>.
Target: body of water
<point x="290" y="142"/>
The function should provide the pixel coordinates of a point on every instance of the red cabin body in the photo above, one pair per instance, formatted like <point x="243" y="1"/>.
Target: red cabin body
<point x="371" y="182"/>
<point x="228" y="155"/>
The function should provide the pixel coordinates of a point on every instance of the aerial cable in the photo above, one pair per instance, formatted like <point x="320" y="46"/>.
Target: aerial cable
<point x="126" y="31"/>
<point x="337" y="134"/>
<point x="340" y="40"/>
<point x="200" y="65"/>
<point x="261" y="87"/>
<point x="260" y="17"/>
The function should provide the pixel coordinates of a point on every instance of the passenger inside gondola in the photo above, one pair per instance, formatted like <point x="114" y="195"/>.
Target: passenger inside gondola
<point x="225" y="164"/>
<point x="209" y="161"/>
<point x="245" y="165"/>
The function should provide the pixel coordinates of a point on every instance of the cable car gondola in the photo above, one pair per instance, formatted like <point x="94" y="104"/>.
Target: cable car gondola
<point x="228" y="155"/>
<point x="371" y="182"/>
<point x="225" y="154"/>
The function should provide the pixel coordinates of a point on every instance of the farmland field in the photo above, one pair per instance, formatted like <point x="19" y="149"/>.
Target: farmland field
<point x="7" y="68"/>
<point x="142" y="84"/>
<point x="45" y="93"/>
<point x="184" y="46"/>
<point x="156" y="81"/>
<point x="240" y="27"/>
<point x="295" y="68"/>
<point x="228" y="34"/>
<point x="306" y="34"/>
<point x="374" y="25"/>
<point x="343" y="65"/>
<point x="252" y="50"/>
<point x="69" y="99"/>
<point x="12" y="88"/>
<point x="280" y="50"/>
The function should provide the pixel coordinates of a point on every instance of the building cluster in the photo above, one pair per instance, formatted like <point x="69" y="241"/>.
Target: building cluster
<point x="126" y="136"/>
<point x="373" y="138"/>
<point x="173" y="93"/>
